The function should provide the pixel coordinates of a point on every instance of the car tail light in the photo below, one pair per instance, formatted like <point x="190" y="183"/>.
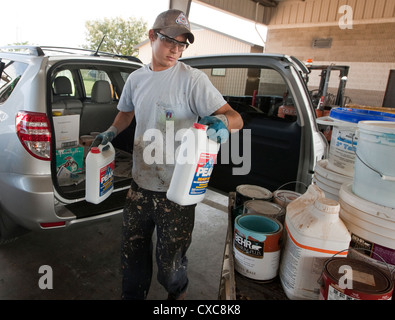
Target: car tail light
<point x="34" y="132"/>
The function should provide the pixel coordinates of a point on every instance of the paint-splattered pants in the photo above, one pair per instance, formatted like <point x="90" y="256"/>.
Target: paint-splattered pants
<point x="144" y="210"/>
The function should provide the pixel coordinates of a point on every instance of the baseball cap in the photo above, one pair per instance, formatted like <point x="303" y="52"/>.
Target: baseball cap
<point x="173" y="23"/>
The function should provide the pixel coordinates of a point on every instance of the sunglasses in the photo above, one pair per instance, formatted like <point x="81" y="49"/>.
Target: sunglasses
<point x="171" y="43"/>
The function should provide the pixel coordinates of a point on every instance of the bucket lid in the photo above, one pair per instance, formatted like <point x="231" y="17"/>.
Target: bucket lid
<point x="348" y="196"/>
<point x="378" y="126"/>
<point x="356" y="115"/>
<point x="366" y="277"/>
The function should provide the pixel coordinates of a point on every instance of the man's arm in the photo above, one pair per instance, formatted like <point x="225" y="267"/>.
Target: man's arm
<point x="123" y="120"/>
<point x="235" y="121"/>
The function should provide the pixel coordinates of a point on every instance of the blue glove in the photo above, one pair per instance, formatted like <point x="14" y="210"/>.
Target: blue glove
<point x="105" y="137"/>
<point x="216" y="130"/>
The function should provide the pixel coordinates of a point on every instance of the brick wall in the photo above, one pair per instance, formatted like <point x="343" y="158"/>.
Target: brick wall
<point x="369" y="50"/>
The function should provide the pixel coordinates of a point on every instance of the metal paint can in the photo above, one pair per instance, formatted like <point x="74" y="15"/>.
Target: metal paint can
<point x="247" y="192"/>
<point x="284" y="197"/>
<point x="351" y="279"/>
<point x="266" y="208"/>
<point x="256" y="245"/>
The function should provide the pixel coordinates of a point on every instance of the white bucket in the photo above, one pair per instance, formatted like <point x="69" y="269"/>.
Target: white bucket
<point x="343" y="142"/>
<point x="329" y="181"/>
<point x="372" y="226"/>
<point x="374" y="166"/>
<point x="341" y="152"/>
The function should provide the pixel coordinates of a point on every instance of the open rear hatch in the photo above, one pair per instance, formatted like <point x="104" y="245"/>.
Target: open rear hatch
<point x="84" y="103"/>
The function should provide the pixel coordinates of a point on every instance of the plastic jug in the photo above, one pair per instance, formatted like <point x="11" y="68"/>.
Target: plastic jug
<point x="99" y="183"/>
<point x="194" y="164"/>
<point x="314" y="233"/>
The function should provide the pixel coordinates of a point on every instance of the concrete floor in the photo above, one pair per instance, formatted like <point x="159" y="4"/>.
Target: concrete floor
<point x="85" y="260"/>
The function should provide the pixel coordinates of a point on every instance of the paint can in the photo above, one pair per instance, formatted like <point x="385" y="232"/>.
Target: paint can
<point x="266" y="208"/>
<point x="245" y="192"/>
<point x="285" y="197"/>
<point x="351" y="279"/>
<point x="257" y="246"/>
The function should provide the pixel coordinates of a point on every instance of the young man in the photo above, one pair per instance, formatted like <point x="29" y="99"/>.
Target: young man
<point x="162" y="92"/>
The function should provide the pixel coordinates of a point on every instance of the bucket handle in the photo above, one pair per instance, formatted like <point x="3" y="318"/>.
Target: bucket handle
<point x="383" y="176"/>
<point x="344" y="250"/>
<point x="283" y="185"/>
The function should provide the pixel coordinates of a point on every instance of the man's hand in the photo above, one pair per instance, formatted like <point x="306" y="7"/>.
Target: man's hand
<point x="216" y="130"/>
<point x="105" y="137"/>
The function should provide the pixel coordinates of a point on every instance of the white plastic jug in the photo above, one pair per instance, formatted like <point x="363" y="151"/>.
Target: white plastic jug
<point x="314" y="233"/>
<point x="194" y="164"/>
<point x="99" y="182"/>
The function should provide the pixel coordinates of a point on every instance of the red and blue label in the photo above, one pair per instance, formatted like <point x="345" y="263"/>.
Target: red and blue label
<point x="202" y="174"/>
<point x="106" y="178"/>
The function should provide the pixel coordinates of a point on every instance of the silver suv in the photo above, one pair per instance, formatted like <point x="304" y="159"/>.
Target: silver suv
<point x="53" y="101"/>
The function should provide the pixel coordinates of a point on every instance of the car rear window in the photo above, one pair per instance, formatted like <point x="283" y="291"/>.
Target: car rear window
<point x="254" y="90"/>
<point x="12" y="72"/>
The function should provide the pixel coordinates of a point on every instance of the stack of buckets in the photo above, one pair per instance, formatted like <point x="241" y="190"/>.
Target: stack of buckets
<point x="360" y="175"/>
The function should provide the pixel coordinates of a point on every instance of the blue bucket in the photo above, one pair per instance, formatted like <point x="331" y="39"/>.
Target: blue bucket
<point x="356" y="115"/>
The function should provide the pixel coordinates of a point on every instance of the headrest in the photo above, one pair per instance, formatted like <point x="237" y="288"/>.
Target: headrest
<point x="62" y="85"/>
<point x="101" y="92"/>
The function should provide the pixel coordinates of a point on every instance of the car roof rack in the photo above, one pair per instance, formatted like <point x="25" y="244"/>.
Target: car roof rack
<point x="39" y="51"/>
<point x="32" y="50"/>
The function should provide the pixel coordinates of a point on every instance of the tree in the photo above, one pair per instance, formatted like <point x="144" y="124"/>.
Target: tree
<point x="120" y="35"/>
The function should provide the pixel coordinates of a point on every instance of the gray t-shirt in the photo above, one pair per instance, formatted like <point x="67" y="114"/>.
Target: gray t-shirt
<point x="166" y="103"/>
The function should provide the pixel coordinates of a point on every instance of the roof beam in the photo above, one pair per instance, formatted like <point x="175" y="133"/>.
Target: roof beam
<point x="267" y="3"/>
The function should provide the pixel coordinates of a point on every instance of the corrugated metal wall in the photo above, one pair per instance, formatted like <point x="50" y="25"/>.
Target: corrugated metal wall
<point x="324" y="11"/>
<point x="308" y="11"/>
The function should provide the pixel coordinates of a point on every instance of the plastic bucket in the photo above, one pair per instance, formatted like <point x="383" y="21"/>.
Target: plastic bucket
<point x="374" y="165"/>
<point x="329" y="181"/>
<point x="256" y="246"/>
<point x="344" y="121"/>
<point x="350" y="279"/>
<point x="372" y="226"/>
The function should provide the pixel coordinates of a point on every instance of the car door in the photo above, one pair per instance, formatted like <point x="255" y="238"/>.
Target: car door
<point x="279" y="143"/>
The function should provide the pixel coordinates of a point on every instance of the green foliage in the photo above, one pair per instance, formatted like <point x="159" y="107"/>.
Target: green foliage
<point x="121" y="35"/>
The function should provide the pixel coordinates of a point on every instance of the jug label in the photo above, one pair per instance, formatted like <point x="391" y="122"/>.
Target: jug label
<point x="202" y="174"/>
<point x="106" y="178"/>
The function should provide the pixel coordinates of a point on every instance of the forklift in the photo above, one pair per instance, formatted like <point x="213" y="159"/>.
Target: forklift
<point x="322" y="100"/>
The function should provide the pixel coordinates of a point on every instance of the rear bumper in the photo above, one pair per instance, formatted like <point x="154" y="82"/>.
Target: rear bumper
<point x="28" y="200"/>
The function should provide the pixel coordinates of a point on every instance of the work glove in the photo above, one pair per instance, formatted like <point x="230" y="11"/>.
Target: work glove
<point x="105" y="137"/>
<point x="217" y="130"/>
